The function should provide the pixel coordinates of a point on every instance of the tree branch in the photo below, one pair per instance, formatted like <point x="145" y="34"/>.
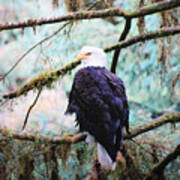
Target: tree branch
<point x="67" y="139"/>
<point x="146" y="10"/>
<point x="144" y="37"/>
<point x="72" y="139"/>
<point x="118" y="50"/>
<point x="158" y="169"/>
<point x="164" y="119"/>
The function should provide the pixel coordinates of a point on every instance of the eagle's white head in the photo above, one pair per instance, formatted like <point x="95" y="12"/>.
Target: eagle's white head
<point x="92" y="56"/>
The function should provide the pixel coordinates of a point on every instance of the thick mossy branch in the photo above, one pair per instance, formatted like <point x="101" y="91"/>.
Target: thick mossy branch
<point x="164" y="119"/>
<point x="158" y="169"/>
<point x="72" y="139"/>
<point x="144" y="37"/>
<point x="67" y="139"/>
<point x="45" y="79"/>
<point x="146" y="10"/>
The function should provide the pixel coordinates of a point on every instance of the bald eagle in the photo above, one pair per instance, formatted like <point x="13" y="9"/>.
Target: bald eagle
<point x="98" y="99"/>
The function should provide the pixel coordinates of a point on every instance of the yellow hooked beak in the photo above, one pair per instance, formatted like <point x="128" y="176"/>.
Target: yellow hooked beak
<point x="81" y="57"/>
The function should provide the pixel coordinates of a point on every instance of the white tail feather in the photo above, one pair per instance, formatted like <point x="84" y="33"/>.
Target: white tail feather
<point x="104" y="158"/>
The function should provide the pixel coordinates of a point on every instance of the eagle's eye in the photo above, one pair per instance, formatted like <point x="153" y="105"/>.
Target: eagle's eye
<point x="88" y="54"/>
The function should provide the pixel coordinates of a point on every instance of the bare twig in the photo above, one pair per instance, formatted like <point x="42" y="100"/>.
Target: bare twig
<point x="144" y="37"/>
<point x="92" y="5"/>
<point x="3" y="102"/>
<point x="33" y="47"/>
<point x="68" y="139"/>
<point x="174" y="81"/>
<point x="158" y="169"/>
<point x="140" y="145"/>
<point x="31" y="107"/>
<point x="118" y="50"/>
<point x="146" y="10"/>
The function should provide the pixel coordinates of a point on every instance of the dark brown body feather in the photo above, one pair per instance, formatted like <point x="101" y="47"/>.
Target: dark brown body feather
<point x="99" y="100"/>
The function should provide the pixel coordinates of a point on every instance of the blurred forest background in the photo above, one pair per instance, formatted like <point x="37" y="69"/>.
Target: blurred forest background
<point x="150" y="71"/>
